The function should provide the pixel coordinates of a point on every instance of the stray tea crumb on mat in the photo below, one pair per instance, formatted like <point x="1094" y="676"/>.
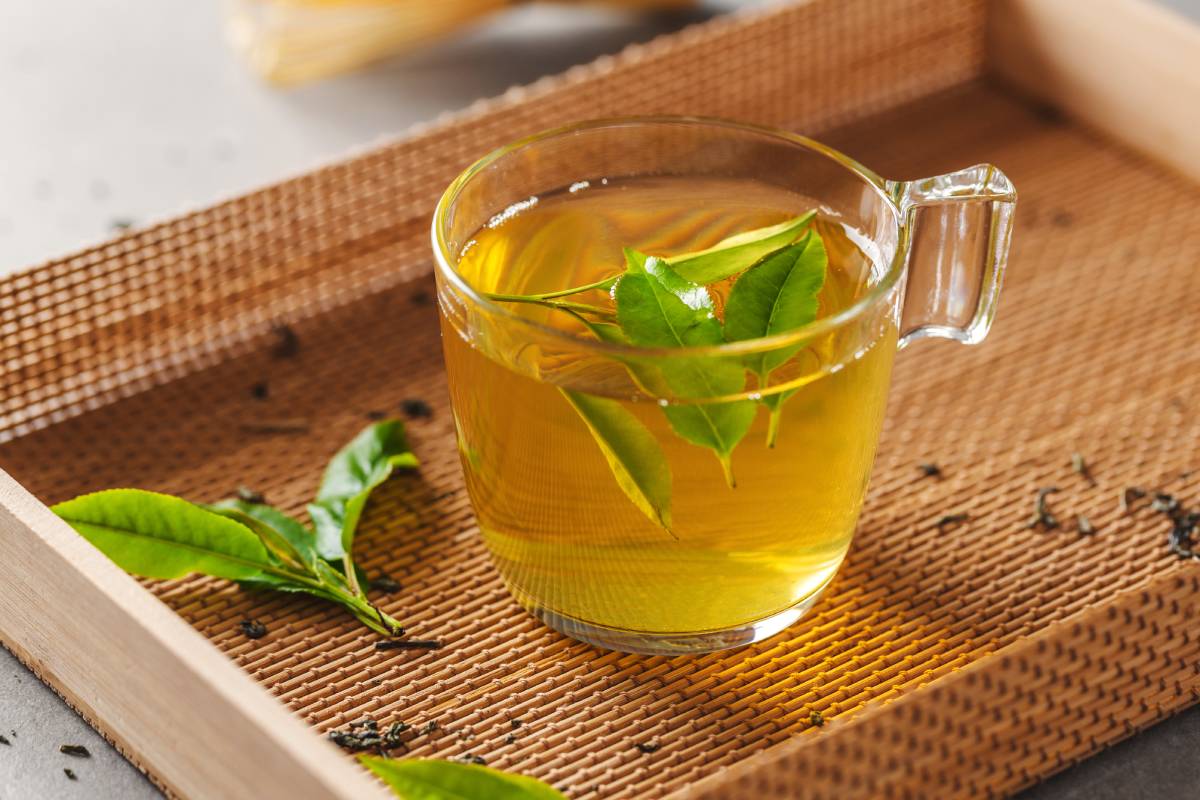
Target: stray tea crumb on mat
<point x="416" y="408"/>
<point x="1042" y="516"/>
<point x="252" y="628"/>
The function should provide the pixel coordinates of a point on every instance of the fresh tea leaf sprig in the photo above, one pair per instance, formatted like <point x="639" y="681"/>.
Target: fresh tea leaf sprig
<point x="160" y="536"/>
<point x="666" y="303"/>
<point x="433" y="779"/>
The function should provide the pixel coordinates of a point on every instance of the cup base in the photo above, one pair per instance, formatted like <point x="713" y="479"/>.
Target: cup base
<point x="677" y="644"/>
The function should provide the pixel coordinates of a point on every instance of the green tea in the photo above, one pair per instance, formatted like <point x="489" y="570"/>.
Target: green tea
<point x="570" y="542"/>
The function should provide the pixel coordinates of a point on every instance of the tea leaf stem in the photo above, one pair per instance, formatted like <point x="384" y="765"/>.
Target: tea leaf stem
<point x="560" y="305"/>
<point x="604" y="284"/>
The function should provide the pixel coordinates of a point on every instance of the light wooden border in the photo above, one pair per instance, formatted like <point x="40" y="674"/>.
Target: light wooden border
<point x="161" y="692"/>
<point x="1129" y="67"/>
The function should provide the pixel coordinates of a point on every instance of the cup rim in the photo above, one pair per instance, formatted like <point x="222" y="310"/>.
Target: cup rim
<point x="443" y="258"/>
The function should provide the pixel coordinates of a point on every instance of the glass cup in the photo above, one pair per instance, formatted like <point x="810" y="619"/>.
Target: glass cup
<point x="611" y="511"/>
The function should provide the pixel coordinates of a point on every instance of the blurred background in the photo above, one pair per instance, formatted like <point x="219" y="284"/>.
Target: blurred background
<point x="128" y="111"/>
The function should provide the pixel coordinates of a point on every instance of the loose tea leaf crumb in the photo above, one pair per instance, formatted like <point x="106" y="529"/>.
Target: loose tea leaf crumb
<point x="1128" y="495"/>
<point x="296" y="425"/>
<point x="120" y="224"/>
<point x="70" y="773"/>
<point x="252" y="628"/>
<point x="356" y="741"/>
<point x="408" y="644"/>
<point x="385" y="584"/>
<point x="260" y="390"/>
<point x="510" y="739"/>
<point x="930" y="470"/>
<point x="1062" y="219"/>
<point x="1084" y="525"/>
<point x="77" y="750"/>
<point x="1183" y="525"/>
<point x="1164" y="502"/>
<point x="1042" y="517"/>
<point x="287" y="343"/>
<point x="4" y="740"/>
<point x="1080" y="466"/>
<point x="816" y="719"/>
<point x="430" y="726"/>
<point x="516" y="723"/>
<point x="648" y="747"/>
<point x="468" y="758"/>
<point x="248" y="495"/>
<point x="363" y="734"/>
<point x="415" y="408"/>
<point x="420" y="298"/>
<point x="952" y="519"/>
<point x="394" y="735"/>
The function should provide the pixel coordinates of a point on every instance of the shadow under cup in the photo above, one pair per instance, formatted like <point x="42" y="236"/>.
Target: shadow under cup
<point x="658" y="543"/>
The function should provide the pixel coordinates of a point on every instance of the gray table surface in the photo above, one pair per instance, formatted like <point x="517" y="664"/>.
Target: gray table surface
<point x="135" y="109"/>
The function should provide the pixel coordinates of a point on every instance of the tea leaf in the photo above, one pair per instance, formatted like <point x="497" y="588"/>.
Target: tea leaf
<point x="367" y="461"/>
<point x="646" y="376"/>
<point x="159" y="536"/>
<point x="693" y="295"/>
<point x="776" y="295"/>
<point x="652" y="315"/>
<point x="632" y="453"/>
<point x="717" y="426"/>
<point x="431" y="779"/>
<point x="287" y="538"/>
<point x="731" y="255"/>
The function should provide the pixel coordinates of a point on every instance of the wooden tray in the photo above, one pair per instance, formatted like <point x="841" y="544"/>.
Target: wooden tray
<point x="952" y="663"/>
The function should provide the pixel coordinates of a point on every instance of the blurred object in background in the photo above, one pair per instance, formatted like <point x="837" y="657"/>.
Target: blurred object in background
<point x="291" y="41"/>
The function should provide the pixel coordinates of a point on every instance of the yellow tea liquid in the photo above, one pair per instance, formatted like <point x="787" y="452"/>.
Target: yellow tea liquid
<point x="570" y="544"/>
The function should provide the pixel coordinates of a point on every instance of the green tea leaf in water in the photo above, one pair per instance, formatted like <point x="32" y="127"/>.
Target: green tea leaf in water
<point x="647" y="377"/>
<point x="652" y="314"/>
<point x="159" y="536"/>
<point x="632" y="453"/>
<point x="693" y="295"/>
<point x="431" y="779"/>
<point x="730" y="256"/>
<point x="777" y="295"/>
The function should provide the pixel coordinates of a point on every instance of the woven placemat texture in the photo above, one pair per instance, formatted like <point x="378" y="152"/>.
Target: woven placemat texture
<point x="133" y="364"/>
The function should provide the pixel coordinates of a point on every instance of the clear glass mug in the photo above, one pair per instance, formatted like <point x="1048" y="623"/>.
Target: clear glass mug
<point x="604" y="512"/>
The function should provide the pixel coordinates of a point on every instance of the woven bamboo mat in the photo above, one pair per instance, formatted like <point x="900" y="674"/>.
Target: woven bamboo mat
<point x="133" y="365"/>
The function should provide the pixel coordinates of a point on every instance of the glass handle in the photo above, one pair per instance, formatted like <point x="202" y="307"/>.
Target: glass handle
<point x="956" y="230"/>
